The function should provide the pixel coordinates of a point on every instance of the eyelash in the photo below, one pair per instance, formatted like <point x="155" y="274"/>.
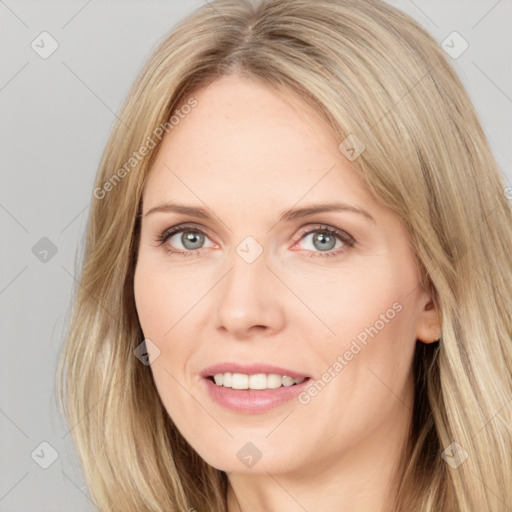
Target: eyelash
<point x="347" y="239"/>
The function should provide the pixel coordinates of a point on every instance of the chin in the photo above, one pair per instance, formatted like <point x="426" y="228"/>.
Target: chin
<point x="247" y="458"/>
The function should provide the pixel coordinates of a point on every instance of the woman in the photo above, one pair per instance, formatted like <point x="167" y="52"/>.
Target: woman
<point x="293" y="294"/>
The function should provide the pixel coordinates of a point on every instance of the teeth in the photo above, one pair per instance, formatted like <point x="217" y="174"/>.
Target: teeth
<point x="240" y="381"/>
<point x="257" y="381"/>
<point x="273" y="381"/>
<point x="287" y="381"/>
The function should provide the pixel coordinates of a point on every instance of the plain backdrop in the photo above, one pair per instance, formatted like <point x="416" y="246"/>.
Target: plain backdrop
<point x="56" y="114"/>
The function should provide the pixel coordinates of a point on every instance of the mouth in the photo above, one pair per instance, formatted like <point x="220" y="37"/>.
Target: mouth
<point x="252" y="389"/>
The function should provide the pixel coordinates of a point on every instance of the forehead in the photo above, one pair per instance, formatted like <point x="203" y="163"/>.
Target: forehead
<point x="245" y="140"/>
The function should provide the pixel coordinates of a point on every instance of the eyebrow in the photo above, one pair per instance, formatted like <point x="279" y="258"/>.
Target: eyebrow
<point x="287" y="215"/>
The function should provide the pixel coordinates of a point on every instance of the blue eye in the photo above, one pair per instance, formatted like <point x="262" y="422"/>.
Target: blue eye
<point x="327" y="241"/>
<point x="191" y="239"/>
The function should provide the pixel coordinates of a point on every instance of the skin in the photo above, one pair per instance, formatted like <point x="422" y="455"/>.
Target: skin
<point x="247" y="153"/>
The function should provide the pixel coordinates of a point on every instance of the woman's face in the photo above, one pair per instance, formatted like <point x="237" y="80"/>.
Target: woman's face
<point x="255" y="291"/>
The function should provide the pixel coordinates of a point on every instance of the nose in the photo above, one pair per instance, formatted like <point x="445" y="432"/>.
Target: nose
<point x="248" y="302"/>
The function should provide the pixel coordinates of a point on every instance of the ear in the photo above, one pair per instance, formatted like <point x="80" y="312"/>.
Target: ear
<point x="428" y="329"/>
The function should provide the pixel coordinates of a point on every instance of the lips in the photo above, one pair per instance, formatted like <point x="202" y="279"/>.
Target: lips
<point x="253" y="401"/>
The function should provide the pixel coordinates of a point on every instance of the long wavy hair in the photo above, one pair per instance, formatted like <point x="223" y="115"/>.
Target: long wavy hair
<point x="370" y="71"/>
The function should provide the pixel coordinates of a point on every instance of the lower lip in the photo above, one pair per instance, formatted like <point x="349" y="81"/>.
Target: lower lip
<point x="253" y="401"/>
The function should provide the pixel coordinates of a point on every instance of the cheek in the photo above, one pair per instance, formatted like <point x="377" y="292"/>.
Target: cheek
<point x="364" y="371"/>
<point x="150" y="301"/>
<point x="371" y="316"/>
<point x="163" y="300"/>
<point x="354" y="301"/>
<point x="160" y="305"/>
<point x="162" y="297"/>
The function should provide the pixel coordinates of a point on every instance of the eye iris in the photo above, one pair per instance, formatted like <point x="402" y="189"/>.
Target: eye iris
<point x="326" y="240"/>
<point x="195" y="238"/>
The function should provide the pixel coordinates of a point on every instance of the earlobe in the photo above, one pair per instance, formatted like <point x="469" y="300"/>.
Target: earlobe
<point x="434" y="334"/>
<point x="429" y="324"/>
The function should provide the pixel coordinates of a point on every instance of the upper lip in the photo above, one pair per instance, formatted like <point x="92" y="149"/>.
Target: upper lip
<point x="250" y="369"/>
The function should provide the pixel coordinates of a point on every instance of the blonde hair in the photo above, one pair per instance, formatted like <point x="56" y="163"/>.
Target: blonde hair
<point x="372" y="72"/>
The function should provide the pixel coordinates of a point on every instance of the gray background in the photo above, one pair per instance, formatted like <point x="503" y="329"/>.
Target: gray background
<point x="56" y="114"/>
